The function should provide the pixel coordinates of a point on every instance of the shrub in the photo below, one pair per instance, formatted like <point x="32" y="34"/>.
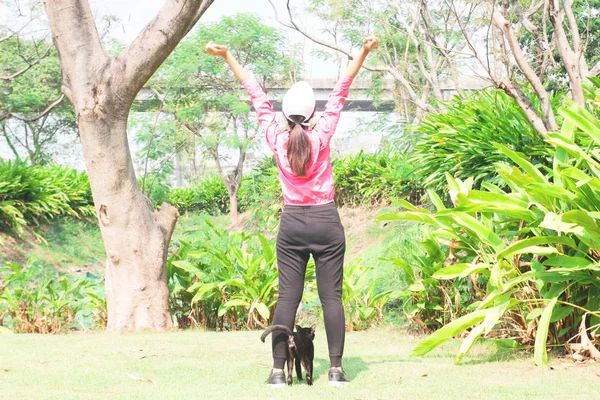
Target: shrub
<point x="30" y="195"/>
<point x="372" y="179"/>
<point x="39" y="299"/>
<point x="229" y="280"/>
<point x="210" y="195"/>
<point x="459" y="141"/>
<point x="535" y="246"/>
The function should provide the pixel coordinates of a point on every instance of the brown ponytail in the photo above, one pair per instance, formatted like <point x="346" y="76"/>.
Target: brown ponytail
<point x="298" y="150"/>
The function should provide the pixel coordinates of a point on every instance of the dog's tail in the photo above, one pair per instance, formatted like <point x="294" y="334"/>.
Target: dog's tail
<point x="276" y="328"/>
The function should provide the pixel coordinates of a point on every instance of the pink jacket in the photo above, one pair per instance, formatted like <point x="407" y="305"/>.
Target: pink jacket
<point x="317" y="186"/>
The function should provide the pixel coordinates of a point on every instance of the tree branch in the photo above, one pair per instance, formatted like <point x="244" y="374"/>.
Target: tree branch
<point x="24" y="69"/>
<point x="34" y="118"/>
<point x="153" y="45"/>
<point x="75" y="37"/>
<point x="536" y="83"/>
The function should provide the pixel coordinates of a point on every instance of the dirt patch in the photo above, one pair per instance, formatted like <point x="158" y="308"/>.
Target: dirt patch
<point x="15" y="249"/>
<point x="360" y="235"/>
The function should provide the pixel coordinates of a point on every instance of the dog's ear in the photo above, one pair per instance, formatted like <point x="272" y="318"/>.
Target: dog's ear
<point x="312" y="328"/>
<point x="298" y="328"/>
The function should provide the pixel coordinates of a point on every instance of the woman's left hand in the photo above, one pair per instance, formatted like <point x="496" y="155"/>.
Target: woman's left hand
<point x="216" y="49"/>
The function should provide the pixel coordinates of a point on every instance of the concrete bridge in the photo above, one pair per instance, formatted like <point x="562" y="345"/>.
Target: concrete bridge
<point x="358" y="100"/>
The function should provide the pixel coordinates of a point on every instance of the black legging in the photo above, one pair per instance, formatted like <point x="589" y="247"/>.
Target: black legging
<point x="306" y="230"/>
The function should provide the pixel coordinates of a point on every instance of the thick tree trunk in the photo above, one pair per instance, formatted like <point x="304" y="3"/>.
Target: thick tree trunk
<point x="101" y="89"/>
<point x="136" y="237"/>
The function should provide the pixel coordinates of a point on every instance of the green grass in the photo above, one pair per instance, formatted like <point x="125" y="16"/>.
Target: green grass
<point x="233" y="365"/>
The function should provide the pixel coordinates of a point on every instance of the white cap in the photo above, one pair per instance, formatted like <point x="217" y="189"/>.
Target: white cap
<point x="299" y="100"/>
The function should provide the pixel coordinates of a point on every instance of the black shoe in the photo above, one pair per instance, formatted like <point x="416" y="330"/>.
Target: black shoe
<point x="276" y="380"/>
<point x="337" y="378"/>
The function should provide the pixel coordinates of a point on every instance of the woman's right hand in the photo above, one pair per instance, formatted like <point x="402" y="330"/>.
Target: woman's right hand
<point x="217" y="50"/>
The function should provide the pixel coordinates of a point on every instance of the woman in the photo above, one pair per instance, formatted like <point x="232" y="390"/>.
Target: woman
<point x="310" y="223"/>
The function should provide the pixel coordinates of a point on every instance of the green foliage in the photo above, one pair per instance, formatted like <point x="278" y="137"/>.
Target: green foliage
<point x="39" y="299"/>
<point x="32" y="194"/>
<point x="228" y="280"/>
<point x="536" y="246"/>
<point x="225" y="280"/>
<point x="210" y="195"/>
<point x="28" y="95"/>
<point x="460" y="140"/>
<point x="373" y="179"/>
<point x="427" y="302"/>
<point x="363" y="306"/>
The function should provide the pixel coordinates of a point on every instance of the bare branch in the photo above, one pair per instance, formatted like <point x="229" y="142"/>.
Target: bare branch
<point x="504" y="25"/>
<point x="292" y="25"/>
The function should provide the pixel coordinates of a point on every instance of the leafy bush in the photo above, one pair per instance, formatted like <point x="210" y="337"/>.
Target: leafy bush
<point x="459" y="141"/>
<point x="39" y="299"/>
<point x="427" y="302"/>
<point x="210" y="195"/>
<point x="224" y="280"/>
<point x="32" y="194"/>
<point x="362" y="305"/>
<point x="228" y="280"/>
<point x="372" y="179"/>
<point x="536" y="246"/>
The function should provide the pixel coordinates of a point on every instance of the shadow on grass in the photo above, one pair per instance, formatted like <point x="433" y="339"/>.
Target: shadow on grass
<point x="352" y="367"/>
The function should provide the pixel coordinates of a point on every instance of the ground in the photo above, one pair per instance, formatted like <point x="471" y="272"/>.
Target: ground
<point x="233" y="365"/>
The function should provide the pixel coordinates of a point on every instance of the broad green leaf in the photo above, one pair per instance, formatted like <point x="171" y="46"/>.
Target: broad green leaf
<point x="460" y="270"/>
<point x="417" y="216"/>
<point x="528" y="167"/>
<point x="540" y="355"/>
<point x="223" y="308"/>
<point x="521" y="245"/>
<point x="483" y="232"/>
<point x="449" y="331"/>
<point x="189" y="267"/>
<point x="263" y="310"/>
<point x="435" y="200"/>
<point x="491" y="318"/>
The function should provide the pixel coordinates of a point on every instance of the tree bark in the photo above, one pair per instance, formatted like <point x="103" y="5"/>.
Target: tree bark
<point x="102" y="89"/>
<point x="233" y="204"/>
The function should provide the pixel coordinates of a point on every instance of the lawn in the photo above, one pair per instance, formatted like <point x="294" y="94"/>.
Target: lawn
<point x="233" y="365"/>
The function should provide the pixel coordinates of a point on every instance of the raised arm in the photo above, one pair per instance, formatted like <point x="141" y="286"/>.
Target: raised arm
<point x="262" y="106"/>
<point x="219" y="50"/>
<point x="369" y="43"/>
<point x="331" y="115"/>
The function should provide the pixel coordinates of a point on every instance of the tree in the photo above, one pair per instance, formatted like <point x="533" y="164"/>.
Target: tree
<point x="420" y="40"/>
<point x="102" y="88"/>
<point x="518" y="66"/>
<point x="29" y="85"/>
<point x="33" y="113"/>
<point x="206" y="99"/>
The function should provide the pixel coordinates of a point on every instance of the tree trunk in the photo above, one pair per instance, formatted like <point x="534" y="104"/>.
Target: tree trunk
<point x="136" y="237"/>
<point x="233" y="205"/>
<point x="102" y="89"/>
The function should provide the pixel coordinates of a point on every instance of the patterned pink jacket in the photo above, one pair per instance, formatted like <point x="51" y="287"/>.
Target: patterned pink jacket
<point x="317" y="186"/>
